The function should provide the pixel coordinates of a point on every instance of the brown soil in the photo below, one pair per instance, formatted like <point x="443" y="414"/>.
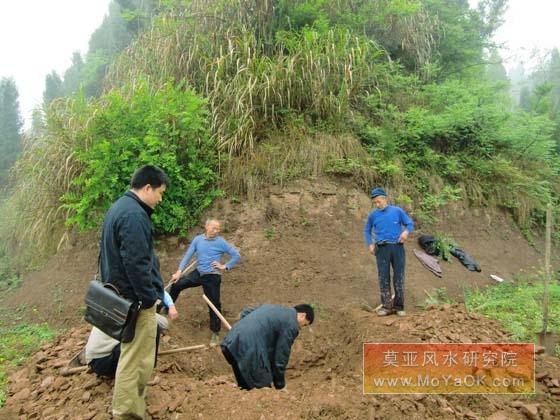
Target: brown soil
<point x="302" y="243"/>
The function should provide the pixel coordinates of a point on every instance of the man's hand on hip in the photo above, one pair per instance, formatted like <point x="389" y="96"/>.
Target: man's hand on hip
<point x="403" y="237"/>
<point x="218" y="265"/>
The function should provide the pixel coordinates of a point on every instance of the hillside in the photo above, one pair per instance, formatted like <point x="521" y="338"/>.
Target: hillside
<point x="300" y="243"/>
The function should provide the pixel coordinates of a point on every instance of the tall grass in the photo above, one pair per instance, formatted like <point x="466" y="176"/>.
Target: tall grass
<point x="294" y="152"/>
<point x="33" y="221"/>
<point x="227" y="53"/>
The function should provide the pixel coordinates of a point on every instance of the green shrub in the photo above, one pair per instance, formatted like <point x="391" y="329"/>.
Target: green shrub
<point x="128" y="129"/>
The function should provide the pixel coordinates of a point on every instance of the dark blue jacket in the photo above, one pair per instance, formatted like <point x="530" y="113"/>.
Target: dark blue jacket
<point x="261" y="343"/>
<point x="128" y="259"/>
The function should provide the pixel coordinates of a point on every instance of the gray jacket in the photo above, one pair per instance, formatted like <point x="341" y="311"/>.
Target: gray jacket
<point x="261" y="343"/>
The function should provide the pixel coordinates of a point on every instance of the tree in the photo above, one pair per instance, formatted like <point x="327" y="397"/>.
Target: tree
<point x="10" y="127"/>
<point x="495" y="70"/>
<point x="73" y="75"/>
<point x="53" y="88"/>
<point x="519" y="88"/>
<point x="38" y="123"/>
<point x="463" y="33"/>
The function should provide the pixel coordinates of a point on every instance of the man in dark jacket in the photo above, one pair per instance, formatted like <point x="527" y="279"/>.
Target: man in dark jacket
<point x="258" y="346"/>
<point x="128" y="261"/>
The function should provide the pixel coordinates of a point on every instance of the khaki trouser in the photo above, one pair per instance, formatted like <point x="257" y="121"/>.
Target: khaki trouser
<point x="135" y="368"/>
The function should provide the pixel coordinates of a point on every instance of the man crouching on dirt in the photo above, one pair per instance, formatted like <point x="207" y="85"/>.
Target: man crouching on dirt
<point x="102" y="352"/>
<point x="258" y="346"/>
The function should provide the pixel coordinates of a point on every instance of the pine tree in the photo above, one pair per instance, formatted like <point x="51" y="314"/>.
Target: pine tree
<point x="73" y="75"/>
<point x="10" y="127"/>
<point x="495" y="70"/>
<point x="53" y="88"/>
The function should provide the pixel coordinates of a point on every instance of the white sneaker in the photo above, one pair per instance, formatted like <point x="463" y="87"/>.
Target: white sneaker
<point x="401" y="313"/>
<point x="383" y="312"/>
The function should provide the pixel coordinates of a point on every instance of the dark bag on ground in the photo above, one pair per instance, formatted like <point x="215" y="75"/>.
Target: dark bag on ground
<point x="428" y="244"/>
<point x="107" y="310"/>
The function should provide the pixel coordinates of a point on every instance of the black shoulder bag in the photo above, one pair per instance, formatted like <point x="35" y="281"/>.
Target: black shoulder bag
<point x="107" y="310"/>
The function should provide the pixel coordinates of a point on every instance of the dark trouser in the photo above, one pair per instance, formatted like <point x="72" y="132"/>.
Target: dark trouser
<point x="107" y="366"/>
<point x="391" y="255"/>
<point x="210" y="284"/>
<point x="238" y="376"/>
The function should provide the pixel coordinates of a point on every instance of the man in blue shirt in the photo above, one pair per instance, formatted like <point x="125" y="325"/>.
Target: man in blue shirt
<point x="391" y="227"/>
<point x="209" y="248"/>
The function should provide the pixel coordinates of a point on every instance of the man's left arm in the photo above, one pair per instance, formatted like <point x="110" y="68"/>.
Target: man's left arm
<point x="282" y="355"/>
<point x="227" y="248"/>
<point x="170" y="305"/>
<point x="408" y="224"/>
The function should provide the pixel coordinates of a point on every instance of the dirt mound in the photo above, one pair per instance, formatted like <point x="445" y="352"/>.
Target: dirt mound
<point x="324" y="377"/>
<point x="302" y="243"/>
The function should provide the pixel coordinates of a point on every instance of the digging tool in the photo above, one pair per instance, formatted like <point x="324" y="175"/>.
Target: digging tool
<point x="181" y="349"/>
<point x="185" y="271"/>
<point x="218" y="314"/>
<point x="547" y="339"/>
<point x="70" y="371"/>
<point x="77" y="360"/>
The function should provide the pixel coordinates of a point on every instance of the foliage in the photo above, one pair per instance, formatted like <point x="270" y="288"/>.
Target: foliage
<point x="16" y="344"/>
<point x="9" y="277"/>
<point x="270" y="233"/>
<point x="462" y="35"/>
<point x="53" y="88"/>
<point x="124" y="20"/>
<point x="315" y="73"/>
<point x="328" y="67"/>
<point x="84" y="161"/>
<point x="166" y="128"/>
<point x="437" y="296"/>
<point x="461" y="141"/>
<point x="73" y="75"/>
<point x="518" y="306"/>
<point x="391" y="92"/>
<point x="10" y="127"/>
<point x="443" y="245"/>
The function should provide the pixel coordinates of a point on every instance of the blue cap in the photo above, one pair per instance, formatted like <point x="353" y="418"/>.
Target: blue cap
<point x="376" y="192"/>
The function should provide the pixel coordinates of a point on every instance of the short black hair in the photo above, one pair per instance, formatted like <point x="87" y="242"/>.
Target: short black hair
<point x="307" y="310"/>
<point x="149" y="175"/>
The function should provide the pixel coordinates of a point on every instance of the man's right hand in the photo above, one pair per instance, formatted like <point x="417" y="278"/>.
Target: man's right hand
<point x="372" y="249"/>
<point x="176" y="276"/>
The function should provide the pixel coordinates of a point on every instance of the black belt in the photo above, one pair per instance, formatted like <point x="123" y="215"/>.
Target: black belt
<point x="383" y="243"/>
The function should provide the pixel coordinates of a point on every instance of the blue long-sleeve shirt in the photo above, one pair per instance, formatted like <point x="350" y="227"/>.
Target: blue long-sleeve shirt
<point x="387" y="224"/>
<point x="207" y="251"/>
<point x="167" y="300"/>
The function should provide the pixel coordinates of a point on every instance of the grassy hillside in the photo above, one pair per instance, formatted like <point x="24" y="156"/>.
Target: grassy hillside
<point x="231" y="97"/>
